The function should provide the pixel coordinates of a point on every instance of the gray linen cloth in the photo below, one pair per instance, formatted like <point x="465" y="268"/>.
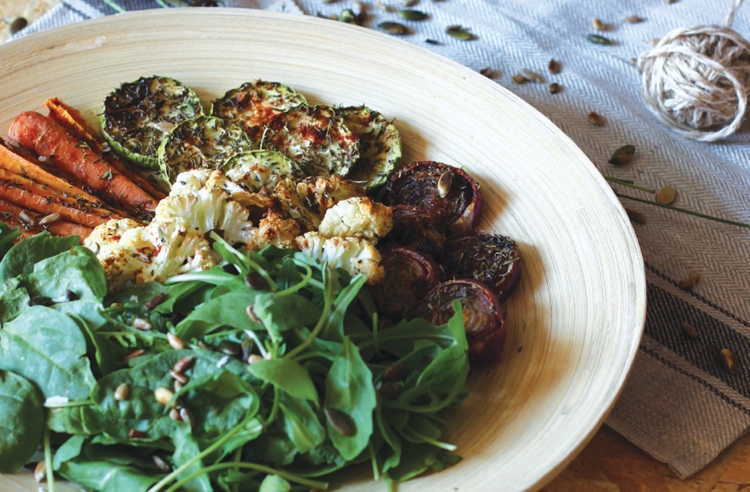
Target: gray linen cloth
<point x="680" y="405"/>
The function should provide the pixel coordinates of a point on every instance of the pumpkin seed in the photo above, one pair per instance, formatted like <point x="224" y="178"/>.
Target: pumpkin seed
<point x="395" y="372"/>
<point x="228" y="347"/>
<point x="458" y="32"/>
<point x="597" y="24"/>
<point x="555" y="88"/>
<point x="390" y="391"/>
<point x="634" y="19"/>
<point x="689" y="330"/>
<point x="444" y="184"/>
<point x="596" y="119"/>
<point x="18" y="24"/>
<point x="635" y="216"/>
<point x="122" y="392"/>
<point x="519" y="79"/>
<point x="341" y="422"/>
<point x="597" y="39"/>
<point x="554" y="67"/>
<point x="394" y="28"/>
<point x="533" y="76"/>
<point x="412" y="15"/>
<point x="255" y="280"/>
<point x="623" y="155"/>
<point x="666" y="195"/>
<point x="347" y="16"/>
<point x="40" y="472"/>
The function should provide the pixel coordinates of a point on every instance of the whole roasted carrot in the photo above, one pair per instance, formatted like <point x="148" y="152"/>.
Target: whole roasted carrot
<point x="31" y="222"/>
<point x="49" y="139"/>
<point x="70" y="119"/>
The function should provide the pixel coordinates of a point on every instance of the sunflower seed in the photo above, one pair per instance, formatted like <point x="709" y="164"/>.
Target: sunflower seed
<point x="132" y="355"/>
<point x="48" y="219"/>
<point x="26" y="218"/>
<point x="164" y="396"/>
<point x="183" y="364"/>
<point x="596" y="119"/>
<point x="175" y="342"/>
<point x="519" y="79"/>
<point x="554" y="67"/>
<point x="728" y="360"/>
<point x="394" y="28"/>
<point x="40" y="472"/>
<point x="122" y="392"/>
<point x="187" y="416"/>
<point x="623" y="155"/>
<point x="160" y="463"/>
<point x="597" y="39"/>
<point x="412" y="15"/>
<point x="487" y="72"/>
<point x="179" y="377"/>
<point x="666" y="195"/>
<point x="689" y="330"/>
<point x="555" y="88"/>
<point x="174" y="414"/>
<point x="141" y="324"/>
<point x="634" y="19"/>
<point x="253" y="358"/>
<point x="533" y="76"/>
<point x="444" y="184"/>
<point x="341" y="422"/>
<point x="597" y="24"/>
<point x="154" y="301"/>
<point x="390" y="391"/>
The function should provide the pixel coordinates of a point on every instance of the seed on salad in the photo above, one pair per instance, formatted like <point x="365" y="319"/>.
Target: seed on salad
<point x="255" y="280"/>
<point x="164" y="396"/>
<point x="177" y="376"/>
<point x="251" y="314"/>
<point x="183" y="364"/>
<point x="26" y="218"/>
<point x="187" y="416"/>
<point x="174" y="414"/>
<point x="395" y="372"/>
<point x="596" y="119"/>
<point x="340" y="421"/>
<point x="154" y="301"/>
<point x="666" y="195"/>
<point x="40" y="472"/>
<point x="177" y="386"/>
<point x="554" y="67"/>
<point x="18" y="24"/>
<point x="48" y="219"/>
<point x="253" y="358"/>
<point x="175" y="342"/>
<point x="623" y="155"/>
<point x="247" y="347"/>
<point x="160" y="463"/>
<point x="444" y="183"/>
<point x="230" y="348"/>
<point x="132" y="355"/>
<point x="689" y="330"/>
<point x="390" y="391"/>
<point x="122" y="392"/>
<point x="141" y="324"/>
<point x="136" y="434"/>
<point x="555" y="88"/>
<point x="533" y="76"/>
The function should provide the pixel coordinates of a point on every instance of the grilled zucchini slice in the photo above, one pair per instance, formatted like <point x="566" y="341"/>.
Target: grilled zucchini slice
<point x="203" y="142"/>
<point x="255" y="105"/>
<point x="379" y="146"/>
<point x="258" y="169"/>
<point x="316" y="138"/>
<point x="138" y="115"/>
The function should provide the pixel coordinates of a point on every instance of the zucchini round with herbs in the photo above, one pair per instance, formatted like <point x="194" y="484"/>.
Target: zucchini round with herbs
<point x="138" y="115"/>
<point x="379" y="145"/>
<point x="203" y="142"/>
<point x="314" y="137"/>
<point x="255" y="105"/>
<point x="258" y="169"/>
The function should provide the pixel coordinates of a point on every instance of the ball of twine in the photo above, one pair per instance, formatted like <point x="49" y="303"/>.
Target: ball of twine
<point x="696" y="80"/>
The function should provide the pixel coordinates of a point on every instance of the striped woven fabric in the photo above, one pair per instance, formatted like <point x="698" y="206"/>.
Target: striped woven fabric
<point x="680" y="404"/>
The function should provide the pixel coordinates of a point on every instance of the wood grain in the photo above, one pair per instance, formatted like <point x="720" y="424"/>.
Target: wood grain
<point x="574" y="325"/>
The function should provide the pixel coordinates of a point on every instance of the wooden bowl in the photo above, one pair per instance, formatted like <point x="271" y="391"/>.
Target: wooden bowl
<point x="576" y="320"/>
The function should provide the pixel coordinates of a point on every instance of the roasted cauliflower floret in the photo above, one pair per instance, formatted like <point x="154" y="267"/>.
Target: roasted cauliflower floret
<point x="323" y="193"/>
<point x="190" y="182"/>
<point x="275" y="229"/>
<point x="357" y="217"/>
<point x="355" y="255"/>
<point x="208" y="209"/>
<point x="132" y="254"/>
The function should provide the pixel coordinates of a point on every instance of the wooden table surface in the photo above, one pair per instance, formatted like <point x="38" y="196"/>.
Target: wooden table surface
<point x="609" y="462"/>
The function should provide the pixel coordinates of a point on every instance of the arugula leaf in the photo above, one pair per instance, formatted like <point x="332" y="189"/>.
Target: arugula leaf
<point x="47" y="348"/>
<point x="334" y="327"/>
<point x="21" y="421"/>
<point x="301" y="423"/>
<point x="349" y="389"/>
<point x="274" y="483"/>
<point x="288" y="376"/>
<point x="284" y="313"/>
<point x="22" y="257"/>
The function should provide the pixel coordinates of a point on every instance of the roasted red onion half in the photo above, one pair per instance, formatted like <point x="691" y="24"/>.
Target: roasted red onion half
<point x="413" y="227"/>
<point x="489" y="258"/>
<point x="409" y="275"/>
<point x="446" y="193"/>
<point x="483" y="315"/>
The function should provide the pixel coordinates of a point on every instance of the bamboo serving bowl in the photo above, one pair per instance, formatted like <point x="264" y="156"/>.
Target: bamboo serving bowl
<point x="576" y="320"/>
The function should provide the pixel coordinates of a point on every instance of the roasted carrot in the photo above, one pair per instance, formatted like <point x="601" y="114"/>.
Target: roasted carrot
<point x="71" y="119"/>
<point x="30" y="156"/>
<point x="31" y="222"/>
<point x="49" y="139"/>
<point x="27" y="194"/>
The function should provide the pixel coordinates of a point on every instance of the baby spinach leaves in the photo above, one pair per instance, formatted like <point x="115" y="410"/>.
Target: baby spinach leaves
<point x="21" y="421"/>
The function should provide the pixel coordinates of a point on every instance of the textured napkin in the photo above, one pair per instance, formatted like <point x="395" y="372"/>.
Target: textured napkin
<point x="680" y="403"/>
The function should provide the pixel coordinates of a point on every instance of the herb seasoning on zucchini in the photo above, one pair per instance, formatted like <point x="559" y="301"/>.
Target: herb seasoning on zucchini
<point x="258" y="169"/>
<point x="138" y="115"/>
<point x="203" y="142"/>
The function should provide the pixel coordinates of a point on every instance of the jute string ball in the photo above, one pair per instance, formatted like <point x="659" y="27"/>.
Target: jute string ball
<point x="696" y="80"/>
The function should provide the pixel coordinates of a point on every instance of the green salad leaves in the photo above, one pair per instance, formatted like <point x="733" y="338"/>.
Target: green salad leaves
<point x="267" y="372"/>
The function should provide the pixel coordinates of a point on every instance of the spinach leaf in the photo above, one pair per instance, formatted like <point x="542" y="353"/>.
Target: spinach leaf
<point x="22" y="257"/>
<point x="107" y="475"/>
<point x="76" y="270"/>
<point x="21" y="421"/>
<point x="287" y="375"/>
<point x="301" y="423"/>
<point x="13" y="298"/>
<point x="226" y="310"/>
<point x="349" y="389"/>
<point x="7" y="236"/>
<point x="47" y="348"/>
<point x="274" y="483"/>
<point x="186" y="447"/>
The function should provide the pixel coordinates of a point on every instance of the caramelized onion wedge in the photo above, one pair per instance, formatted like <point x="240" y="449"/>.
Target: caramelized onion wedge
<point x="483" y="316"/>
<point x="489" y="258"/>
<point x="449" y="195"/>
<point x="412" y="227"/>
<point x="409" y="275"/>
